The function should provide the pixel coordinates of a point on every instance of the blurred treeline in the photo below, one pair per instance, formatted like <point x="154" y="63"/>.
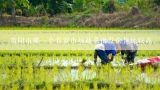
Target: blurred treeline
<point x="52" y="7"/>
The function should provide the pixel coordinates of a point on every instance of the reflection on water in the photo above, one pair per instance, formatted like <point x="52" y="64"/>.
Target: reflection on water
<point x="73" y="75"/>
<point x="69" y="75"/>
<point x="64" y="63"/>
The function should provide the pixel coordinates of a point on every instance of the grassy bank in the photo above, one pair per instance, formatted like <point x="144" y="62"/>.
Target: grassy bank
<point x="95" y="20"/>
<point x="69" y="28"/>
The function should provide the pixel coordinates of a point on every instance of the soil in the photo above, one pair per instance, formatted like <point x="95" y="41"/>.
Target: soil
<point x="103" y="20"/>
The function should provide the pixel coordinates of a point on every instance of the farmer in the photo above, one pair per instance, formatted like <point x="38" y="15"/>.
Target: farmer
<point x="106" y="50"/>
<point x="128" y="49"/>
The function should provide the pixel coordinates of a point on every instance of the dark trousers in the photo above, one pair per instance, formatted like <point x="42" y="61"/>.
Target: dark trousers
<point x="102" y="55"/>
<point x="130" y="56"/>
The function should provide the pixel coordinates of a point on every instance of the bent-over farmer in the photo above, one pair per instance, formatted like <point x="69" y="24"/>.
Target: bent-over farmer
<point x="106" y="50"/>
<point x="129" y="49"/>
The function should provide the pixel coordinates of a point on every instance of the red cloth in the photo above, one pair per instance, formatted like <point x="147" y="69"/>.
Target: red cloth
<point x="154" y="60"/>
<point x="149" y="61"/>
<point x="143" y="63"/>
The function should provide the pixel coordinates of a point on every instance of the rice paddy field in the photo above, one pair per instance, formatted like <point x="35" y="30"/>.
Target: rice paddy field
<point x="65" y="70"/>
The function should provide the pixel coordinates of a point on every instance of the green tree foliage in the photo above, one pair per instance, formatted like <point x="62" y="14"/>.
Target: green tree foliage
<point x="109" y="6"/>
<point x="79" y="5"/>
<point x="52" y="7"/>
<point x="38" y="2"/>
<point x="94" y="4"/>
<point x="143" y="5"/>
<point x="9" y="6"/>
<point x="1" y="6"/>
<point x="82" y="5"/>
<point x="59" y="6"/>
<point x="23" y="5"/>
<point x="157" y="2"/>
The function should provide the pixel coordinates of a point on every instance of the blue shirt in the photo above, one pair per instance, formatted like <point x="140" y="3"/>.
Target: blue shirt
<point x="110" y="47"/>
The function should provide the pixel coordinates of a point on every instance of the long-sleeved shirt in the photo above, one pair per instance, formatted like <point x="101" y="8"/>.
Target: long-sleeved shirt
<point x="127" y="45"/>
<point x="107" y="45"/>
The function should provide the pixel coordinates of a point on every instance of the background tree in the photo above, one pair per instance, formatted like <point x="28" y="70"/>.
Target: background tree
<point x="52" y="7"/>
<point x="23" y="5"/>
<point x="79" y="5"/>
<point x="2" y="6"/>
<point x="109" y="6"/>
<point x="59" y="6"/>
<point x="157" y="2"/>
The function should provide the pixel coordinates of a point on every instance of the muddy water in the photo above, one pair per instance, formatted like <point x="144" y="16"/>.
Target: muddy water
<point x="64" y="63"/>
<point x="69" y="75"/>
<point x="87" y="74"/>
<point x="73" y="75"/>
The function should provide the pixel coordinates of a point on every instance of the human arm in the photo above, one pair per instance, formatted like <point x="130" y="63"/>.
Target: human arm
<point x="111" y="58"/>
<point x="111" y="55"/>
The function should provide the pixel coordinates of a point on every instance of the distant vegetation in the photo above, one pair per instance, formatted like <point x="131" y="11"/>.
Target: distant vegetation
<point x="52" y="7"/>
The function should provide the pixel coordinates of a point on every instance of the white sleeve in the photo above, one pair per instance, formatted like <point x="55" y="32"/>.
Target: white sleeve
<point x="100" y="47"/>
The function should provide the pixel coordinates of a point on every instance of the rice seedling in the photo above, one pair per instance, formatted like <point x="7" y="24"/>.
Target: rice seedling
<point x="18" y="71"/>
